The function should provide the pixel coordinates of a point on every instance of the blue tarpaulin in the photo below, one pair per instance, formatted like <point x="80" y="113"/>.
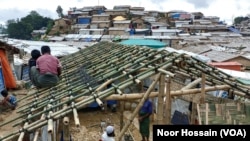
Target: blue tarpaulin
<point x="144" y="42"/>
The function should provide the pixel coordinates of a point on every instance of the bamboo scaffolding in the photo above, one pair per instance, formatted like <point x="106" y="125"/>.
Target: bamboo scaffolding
<point x="144" y="75"/>
<point x="110" y="62"/>
<point x="124" y="129"/>
<point x="123" y="69"/>
<point x="79" y="105"/>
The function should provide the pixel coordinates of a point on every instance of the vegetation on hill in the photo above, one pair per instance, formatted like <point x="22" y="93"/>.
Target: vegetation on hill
<point x="239" y="19"/>
<point x="22" y="29"/>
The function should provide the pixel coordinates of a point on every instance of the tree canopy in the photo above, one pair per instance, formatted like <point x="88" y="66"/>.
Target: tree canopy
<point x="239" y="19"/>
<point x="22" y="29"/>
<point x="59" y="11"/>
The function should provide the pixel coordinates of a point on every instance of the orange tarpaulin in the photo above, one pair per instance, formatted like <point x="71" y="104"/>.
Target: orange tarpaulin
<point x="9" y="78"/>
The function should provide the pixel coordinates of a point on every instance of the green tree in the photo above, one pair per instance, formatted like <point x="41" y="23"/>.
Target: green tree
<point x="22" y="29"/>
<point x="59" y="11"/>
<point x="49" y="26"/>
<point x="239" y="19"/>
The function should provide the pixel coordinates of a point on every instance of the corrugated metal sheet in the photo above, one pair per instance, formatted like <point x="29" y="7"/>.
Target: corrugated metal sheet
<point x="227" y="65"/>
<point x="219" y="56"/>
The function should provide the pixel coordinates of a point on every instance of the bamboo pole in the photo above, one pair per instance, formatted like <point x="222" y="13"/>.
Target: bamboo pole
<point x="21" y="136"/>
<point x="122" y="104"/>
<point x="206" y="114"/>
<point x="155" y="94"/>
<point x="203" y="87"/>
<point x="76" y="118"/>
<point x="138" y="106"/>
<point x="168" y="102"/>
<point x="161" y="99"/>
<point x="199" y="114"/>
<point x="192" y="84"/>
<point x="193" y="114"/>
<point x="50" y="123"/>
<point x="66" y="132"/>
<point x="23" y="133"/>
<point x="38" y="130"/>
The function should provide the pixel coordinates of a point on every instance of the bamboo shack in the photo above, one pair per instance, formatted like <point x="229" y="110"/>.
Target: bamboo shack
<point x="112" y="71"/>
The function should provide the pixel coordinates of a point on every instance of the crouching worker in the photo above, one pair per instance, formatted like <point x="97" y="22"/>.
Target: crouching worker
<point x="47" y="70"/>
<point x="9" y="100"/>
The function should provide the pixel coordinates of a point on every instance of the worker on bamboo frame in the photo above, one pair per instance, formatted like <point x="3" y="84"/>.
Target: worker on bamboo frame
<point x="47" y="70"/>
<point x="144" y="119"/>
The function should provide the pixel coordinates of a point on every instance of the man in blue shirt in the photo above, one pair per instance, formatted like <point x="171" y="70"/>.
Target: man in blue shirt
<point x="9" y="100"/>
<point x="144" y="120"/>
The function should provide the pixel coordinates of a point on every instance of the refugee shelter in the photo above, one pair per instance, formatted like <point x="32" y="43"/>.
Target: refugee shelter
<point x="113" y="71"/>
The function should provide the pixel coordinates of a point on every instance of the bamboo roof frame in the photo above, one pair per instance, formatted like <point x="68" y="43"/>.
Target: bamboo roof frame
<point x="86" y="74"/>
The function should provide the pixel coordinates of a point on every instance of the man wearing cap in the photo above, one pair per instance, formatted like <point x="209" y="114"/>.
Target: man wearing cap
<point x="108" y="134"/>
<point x="144" y="120"/>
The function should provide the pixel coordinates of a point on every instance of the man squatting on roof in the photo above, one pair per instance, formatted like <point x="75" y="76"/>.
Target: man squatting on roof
<point x="47" y="70"/>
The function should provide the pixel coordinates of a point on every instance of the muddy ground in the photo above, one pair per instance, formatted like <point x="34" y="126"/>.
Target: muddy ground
<point x="91" y="120"/>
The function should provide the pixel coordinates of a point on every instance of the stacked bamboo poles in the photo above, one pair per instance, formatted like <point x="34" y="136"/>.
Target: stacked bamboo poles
<point x="61" y="113"/>
<point x="153" y="60"/>
<point x="130" y="81"/>
<point x="122" y="64"/>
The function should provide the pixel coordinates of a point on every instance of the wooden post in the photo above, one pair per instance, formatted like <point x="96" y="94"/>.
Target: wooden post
<point x="161" y="100"/>
<point x="168" y="102"/>
<point x="121" y="114"/>
<point x="193" y="114"/>
<point x="203" y="83"/>
<point x="135" y="112"/>
<point x="206" y="118"/>
<point x="199" y="114"/>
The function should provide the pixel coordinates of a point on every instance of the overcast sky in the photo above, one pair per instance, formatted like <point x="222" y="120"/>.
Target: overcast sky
<point x="225" y="9"/>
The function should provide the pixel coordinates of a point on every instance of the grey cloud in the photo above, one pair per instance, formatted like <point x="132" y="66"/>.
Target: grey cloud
<point x="9" y="14"/>
<point x="200" y="3"/>
<point x="158" y="1"/>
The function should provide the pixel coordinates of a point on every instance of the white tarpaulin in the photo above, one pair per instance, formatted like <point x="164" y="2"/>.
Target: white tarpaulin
<point x="237" y="74"/>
